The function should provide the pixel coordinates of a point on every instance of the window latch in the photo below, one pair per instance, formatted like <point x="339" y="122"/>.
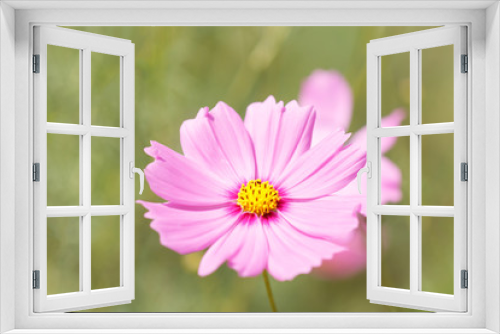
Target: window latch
<point x="139" y="171"/>
<point x="367" y="170"/>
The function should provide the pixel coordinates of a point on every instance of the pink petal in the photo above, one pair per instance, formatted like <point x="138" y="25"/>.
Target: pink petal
<point x="312" y="159"/>
<point x="332" y="218"/>
<point x="350" y="261"/>
<point x="292" y="253"/>
<point x="279" y="134"/>
<point x="391" y="180"/>
<point x="187" y="231"/>
<point x="394" y="119"/>
<point x="251" y="258"/>
<point x="262" y="121"/>
<point x="351" y="190"/>
<point x="200" y="144"/>
<point x="296" y="133"/>
<point x="176" y="178"/>
<point x="233" y="139"/>
<point x="332" y="98"/>
<point x="223" y="249"/>
<point x="306" y="141"/>
<point x="323" y="170"/>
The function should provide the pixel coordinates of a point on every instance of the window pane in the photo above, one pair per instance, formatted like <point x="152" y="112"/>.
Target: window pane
<point x="63" y="255"/>
<point x="395" y="79"/>
<point x="105" y="252"/>
<point x="395" y="170"/>
<point x="437" y="169"/>
<point x="396" y="251"/>
<point x="437" y="84"/>
<point x="105" y="89"/>
<point x="63" y="170"/>
<point x="105" y="171"/>
<point x="437" y="254"/>
<point x="63" y="85"/>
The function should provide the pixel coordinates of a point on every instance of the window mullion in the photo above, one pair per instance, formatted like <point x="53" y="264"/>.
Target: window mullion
<point x="414" y="171"/>
<point x="419" y="162"/>
<point x="127" y="156"/>
<point x="85" y="163"/>
<point x="123" y="165"/>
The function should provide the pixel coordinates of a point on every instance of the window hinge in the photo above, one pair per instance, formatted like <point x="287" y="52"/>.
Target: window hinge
<point x="464" y="171"/>
<point x="36" y="63"/>
<point x="465" y="279"/>
<point x="36" y="279"/>
<point x="465" y="64"/>
<point x="36" y="172"/>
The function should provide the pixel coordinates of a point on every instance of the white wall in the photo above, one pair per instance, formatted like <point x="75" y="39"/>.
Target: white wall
<point x="492" y="163"/>
<point x="7" y="161"/>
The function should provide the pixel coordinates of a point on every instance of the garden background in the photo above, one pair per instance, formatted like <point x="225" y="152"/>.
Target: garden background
<point x="181" y="69"/>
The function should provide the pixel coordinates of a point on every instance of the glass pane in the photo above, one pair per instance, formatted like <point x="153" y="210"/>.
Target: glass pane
<point x="63" y="85"/>
<point x="437" y="169"/>
<point x="395" y="170"/>
<point x="105" y="252"/>
<point x="63" y="170"/>
<point x="396" y="252"/>
<point x="395" y="83"/>
<point x="105" y="171"/>
<point x="105" y="89"/>
<point x="437" y="254"/>
<point x="437" y="84"/>
<point x="63" y="255"/>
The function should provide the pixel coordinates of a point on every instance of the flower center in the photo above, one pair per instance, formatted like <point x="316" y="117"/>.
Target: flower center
<point x="258" y="197"/>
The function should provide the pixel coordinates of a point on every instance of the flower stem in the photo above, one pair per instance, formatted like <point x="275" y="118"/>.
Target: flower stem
<point x="269" y="292"/>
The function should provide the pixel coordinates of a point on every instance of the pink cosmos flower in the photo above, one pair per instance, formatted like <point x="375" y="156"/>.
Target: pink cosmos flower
<point x="332" y="99"/>
<point x="255" y="193"/>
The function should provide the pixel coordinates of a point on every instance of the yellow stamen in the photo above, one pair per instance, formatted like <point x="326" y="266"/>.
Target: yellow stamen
<point x="258" y="197"/>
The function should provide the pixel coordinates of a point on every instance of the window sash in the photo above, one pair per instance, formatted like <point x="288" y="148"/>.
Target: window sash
<point x="413" y="43"/>
<point x="87" y="43"/>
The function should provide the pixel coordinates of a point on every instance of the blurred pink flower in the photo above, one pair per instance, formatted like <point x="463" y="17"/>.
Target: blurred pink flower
<point x="332" y="98"/>
<point x="255" y="193"/>
<point x="350" y="261"/>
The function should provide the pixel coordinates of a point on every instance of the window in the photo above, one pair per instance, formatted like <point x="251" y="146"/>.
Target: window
<point x="419" y="131"/>
<point x="65" y="228"/>
<point x="16" y="212"/>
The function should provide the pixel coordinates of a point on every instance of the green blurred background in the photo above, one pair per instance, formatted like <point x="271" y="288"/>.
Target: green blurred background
<point x="180" y="69"/>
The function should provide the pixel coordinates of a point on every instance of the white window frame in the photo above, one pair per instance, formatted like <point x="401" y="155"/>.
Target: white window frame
<point x="16" y="215"/>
